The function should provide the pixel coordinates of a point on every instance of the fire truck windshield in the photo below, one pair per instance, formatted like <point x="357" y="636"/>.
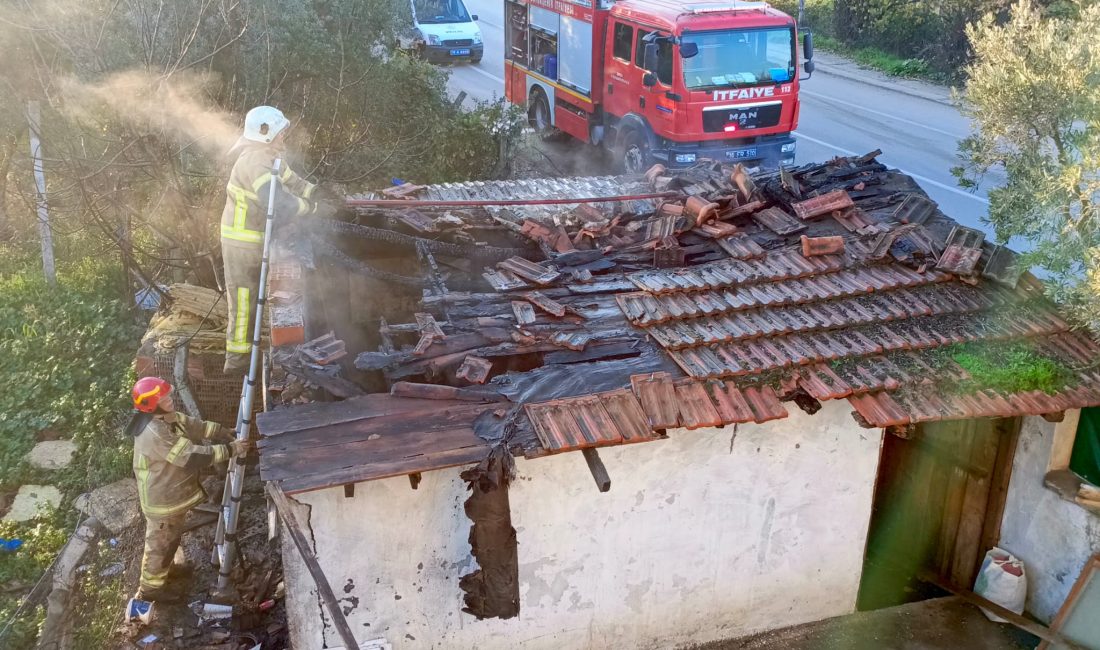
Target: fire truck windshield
<point x="744" y="57"/>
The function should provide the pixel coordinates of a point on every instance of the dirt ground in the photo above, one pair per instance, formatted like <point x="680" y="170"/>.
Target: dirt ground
<point x="258" y="616"/>
<point x="939" y="624"/>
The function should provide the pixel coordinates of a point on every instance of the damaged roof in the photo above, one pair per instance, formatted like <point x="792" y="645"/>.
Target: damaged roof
<point x="739" y="299"/>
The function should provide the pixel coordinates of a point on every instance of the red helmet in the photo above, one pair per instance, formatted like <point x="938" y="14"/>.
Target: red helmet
<point x="148" y="391"/>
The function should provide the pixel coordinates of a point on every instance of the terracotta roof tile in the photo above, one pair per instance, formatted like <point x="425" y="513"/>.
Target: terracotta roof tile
<point x="627" y="414"/>
<point x="879" y="409"/>
<point x="822" y="383"/>
<point x="764" y="403"/>
<point x="657" y="396"/>
<point x="729" y="402"/>
<point x="696" y="409"/>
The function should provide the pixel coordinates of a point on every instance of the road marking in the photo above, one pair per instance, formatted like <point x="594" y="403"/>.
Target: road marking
<point x="925" y="179"/>
<point x="872" y="111"/>
<point x="486" y="74"/>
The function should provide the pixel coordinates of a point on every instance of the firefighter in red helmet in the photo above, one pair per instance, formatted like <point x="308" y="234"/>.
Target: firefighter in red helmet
<point x="169" y="452"/>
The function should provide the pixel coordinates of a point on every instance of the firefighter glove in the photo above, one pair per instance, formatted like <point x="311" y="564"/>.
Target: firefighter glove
<point x="240" y="447"/>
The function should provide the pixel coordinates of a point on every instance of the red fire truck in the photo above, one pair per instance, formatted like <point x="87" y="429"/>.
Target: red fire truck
<point x="668" y="81"/>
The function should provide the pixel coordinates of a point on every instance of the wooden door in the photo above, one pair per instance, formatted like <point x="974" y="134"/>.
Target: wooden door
<point x="937" y="508"/>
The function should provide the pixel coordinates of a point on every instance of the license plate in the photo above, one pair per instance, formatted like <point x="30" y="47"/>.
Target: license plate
<point x="462" y="52"/>
<point x="741" y="153"/>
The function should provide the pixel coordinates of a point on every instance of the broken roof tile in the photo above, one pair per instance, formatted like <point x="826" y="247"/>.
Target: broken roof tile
<point x="474" y="369"/>
<point x="540" y="300"/>
<point x="962" y="252"/>
<point x="503" y="280"/>
<point x="824" y="204"/>
<point x="812" y="246"/>
<point x="778" y="221"/>
<point x="529" y="270"/>
<point x="523" y="311"/>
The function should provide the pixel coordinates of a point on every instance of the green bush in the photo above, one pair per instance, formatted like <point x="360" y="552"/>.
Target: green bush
<point x="65" y="356"/>
<point x="20" y="570"/>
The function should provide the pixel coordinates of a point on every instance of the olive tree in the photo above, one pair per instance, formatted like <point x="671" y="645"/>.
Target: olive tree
<point x="1033" y="98"/>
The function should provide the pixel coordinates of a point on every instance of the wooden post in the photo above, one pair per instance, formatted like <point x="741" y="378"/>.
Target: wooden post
<point x="596" y="466"/>
<point x="48" y="266"/>
<point x="324" y="589"/>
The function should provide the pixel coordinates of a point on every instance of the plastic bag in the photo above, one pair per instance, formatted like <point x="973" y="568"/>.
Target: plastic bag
<point x="1002" y="580"/>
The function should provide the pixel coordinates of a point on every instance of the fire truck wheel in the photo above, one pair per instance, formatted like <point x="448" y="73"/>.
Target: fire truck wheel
<point x="633" y="152"/>
<point x="538" y="113"/>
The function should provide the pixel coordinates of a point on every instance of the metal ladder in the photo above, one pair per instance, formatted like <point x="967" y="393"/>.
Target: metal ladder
<point x="225" y="540"/>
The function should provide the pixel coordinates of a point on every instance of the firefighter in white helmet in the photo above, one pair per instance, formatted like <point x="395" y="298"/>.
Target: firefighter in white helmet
<point x="242" y="226"/>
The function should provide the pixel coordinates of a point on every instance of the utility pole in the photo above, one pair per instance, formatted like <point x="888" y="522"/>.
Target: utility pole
<point x="34" y="118"/>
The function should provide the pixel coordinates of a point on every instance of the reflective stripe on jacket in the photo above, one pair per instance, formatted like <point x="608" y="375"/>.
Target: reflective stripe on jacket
<point x="247" y="195"/>
<point x="168" y="455"/>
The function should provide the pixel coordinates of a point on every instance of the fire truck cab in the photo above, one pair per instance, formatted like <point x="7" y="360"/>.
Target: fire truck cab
<point x="659" y="81"/>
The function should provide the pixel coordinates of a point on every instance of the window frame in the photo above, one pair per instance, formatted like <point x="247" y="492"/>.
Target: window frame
<point x="615" y="42"/>
<point x="639" y="54"/>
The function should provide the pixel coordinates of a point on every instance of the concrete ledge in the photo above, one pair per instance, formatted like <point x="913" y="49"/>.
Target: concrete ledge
<point x="837" y="66"/>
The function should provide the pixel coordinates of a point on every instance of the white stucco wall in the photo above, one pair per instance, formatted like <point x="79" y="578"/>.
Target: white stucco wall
<point x="703" y="536"/>
<point x="1053" y="537"/>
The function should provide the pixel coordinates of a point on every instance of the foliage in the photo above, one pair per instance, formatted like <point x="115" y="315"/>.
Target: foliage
<point x="1011" y="368"/>
<point x="141" y="101"/>
<point x="64" y="363"/>
<point x="877" y="59"/>
<point x="42" y="540"/>
<point x="99" y="614"/>
<point x="1035" y="109"/>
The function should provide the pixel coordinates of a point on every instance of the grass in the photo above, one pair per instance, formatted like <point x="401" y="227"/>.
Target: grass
<point x="1011" y="368"/>
<point x="877" y="59"/>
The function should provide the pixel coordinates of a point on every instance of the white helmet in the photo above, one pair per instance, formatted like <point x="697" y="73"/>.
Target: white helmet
<point x="263" y="123"/>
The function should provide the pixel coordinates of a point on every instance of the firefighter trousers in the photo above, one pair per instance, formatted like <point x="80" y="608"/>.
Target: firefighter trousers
<point x="162" y="538"/>
<point x="242" y="280"/>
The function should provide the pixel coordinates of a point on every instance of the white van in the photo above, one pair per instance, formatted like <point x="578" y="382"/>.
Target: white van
<point x="450" y="33"/>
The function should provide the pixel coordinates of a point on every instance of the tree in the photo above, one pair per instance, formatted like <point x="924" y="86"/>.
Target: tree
<point x="1033" y="98"/>
<point x="141" y="99"/>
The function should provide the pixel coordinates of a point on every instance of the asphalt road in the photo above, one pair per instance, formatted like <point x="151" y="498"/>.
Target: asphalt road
<point x="845" y="111"/>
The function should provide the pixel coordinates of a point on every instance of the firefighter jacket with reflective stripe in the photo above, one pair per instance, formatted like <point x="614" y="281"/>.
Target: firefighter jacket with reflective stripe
<point x="168" y="455"/>
<point x="247" y="195"/>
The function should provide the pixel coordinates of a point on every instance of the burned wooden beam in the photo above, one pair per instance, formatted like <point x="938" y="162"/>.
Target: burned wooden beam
<point x="414" y="480"/>
<point x="596" y="466"/>
<point x="440" y="391"/>
<point x="349" y="490"/>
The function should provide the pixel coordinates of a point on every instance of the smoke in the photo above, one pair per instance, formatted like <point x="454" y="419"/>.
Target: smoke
<point x="174" y="108"/>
